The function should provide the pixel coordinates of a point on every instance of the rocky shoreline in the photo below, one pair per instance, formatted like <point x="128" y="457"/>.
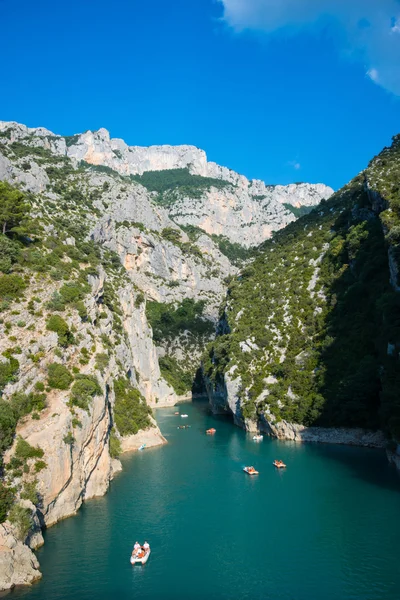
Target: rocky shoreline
<point x="18" y="563"/>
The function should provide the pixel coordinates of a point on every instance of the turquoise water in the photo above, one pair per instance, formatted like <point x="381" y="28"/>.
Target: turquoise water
<point x="328" y="527"/>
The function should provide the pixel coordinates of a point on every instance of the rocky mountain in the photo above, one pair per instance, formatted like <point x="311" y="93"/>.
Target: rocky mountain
<point x="114" y="262"/>
<point x="310" y="335"/>
<point x="222" y="203"/>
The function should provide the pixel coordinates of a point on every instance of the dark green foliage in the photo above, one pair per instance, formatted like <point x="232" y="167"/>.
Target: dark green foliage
<point x="9" y="253"/>
<point x="22" y="519"/>
<point x="71" y="140"/>
<point x="24" y="451"/>
<point x="11" y="286"/>
<point x="30" y="492"/>
<point x="72" y="292"/>
<point x="178" y="180"/>
<point x="102" y="361"/>
<point x="131" y="412"/>
<point x="114" y="445"/>
<point x="139" y="299"/>
<point x="299" y="211"/>
<point x="84" y="390"/>
<point x="12" y="410"/>
<point x="325" y="341"/>
<point x="69" y="439"/>
<point x="168" y="320"/>
<point x="8" y="371"/>
<point x="235" y="252"/>
<point x="173" y="374"/>
<point x="58" y="377"/>
<point x="6" y="501"/>
<point x="58" y="325"/>
<point x="13" y="207"/>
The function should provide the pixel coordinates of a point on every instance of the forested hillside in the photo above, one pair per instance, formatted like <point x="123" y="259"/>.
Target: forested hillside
<point x="311" y="328"/>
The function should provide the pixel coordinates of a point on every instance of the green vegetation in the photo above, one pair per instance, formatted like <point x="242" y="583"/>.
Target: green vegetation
<point x="84" y="390"/>
<point x="315" y="313"/>
<point x="60" y="327"/>
<point x="232" y="250"/>
<point x="175" y="375"/>
<point x="6" y="501"/>
<point x="22" y="519"/>
<point x="173" y="183"/>
<point x="102" y="361"/>
<point x="58" y="377"/>
<point x="131" y="412"/>
<point x="24" y="451"/>
<point x="11" y="286"/>
<point x="169" y="320"/>
<point x="13" y="208"/>
<point x="8" y="371"/>
<point x="299" y="211"/>
<point x="114" y="444"/>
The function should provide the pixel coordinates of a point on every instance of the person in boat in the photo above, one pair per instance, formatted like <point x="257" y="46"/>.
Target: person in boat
<point x="146" y="547"/>
<point x="136" y="548"/>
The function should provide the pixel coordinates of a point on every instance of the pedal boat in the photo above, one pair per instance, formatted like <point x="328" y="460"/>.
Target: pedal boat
<point x="279" y="464"/>
<point x="258" y="438"/>
<point x="140" y="558"/>
<point x="184" y="416"/>
<point x="211" y="431"/>
<point x="250" y="470"/>
<point x="142" y="447"/>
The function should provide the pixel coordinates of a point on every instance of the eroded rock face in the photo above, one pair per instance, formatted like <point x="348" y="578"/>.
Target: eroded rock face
<point x="18" y="564"/>
<point x="125" y="219"/>
<point x="246" y="212"/>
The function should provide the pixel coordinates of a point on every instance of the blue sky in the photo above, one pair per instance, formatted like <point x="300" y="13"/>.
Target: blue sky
<point x="278" y="90"/>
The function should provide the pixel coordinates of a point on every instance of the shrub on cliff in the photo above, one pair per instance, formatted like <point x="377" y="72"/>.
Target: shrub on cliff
<point x="21" y="518"/>
<point x="6" y="501"/>
<point x="8" y="371"/>
<point x="58" y="376"/>
<point x="84" y="390"/>
<point x="60" y="327"/>
<point x="131" y="413"/>
<point x="24" y="450"/>
<point x="9" y="253"/>
<point x="114" y="445"/>
<point x="11" y="286"/>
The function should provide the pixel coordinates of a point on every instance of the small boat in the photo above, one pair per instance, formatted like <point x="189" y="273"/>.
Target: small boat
<point x="142" y="447"/>
<point x="184" y="416"/>
<point x="250" y="470"/>
<point x="258" y="438"/>
<point x="140" y="557"/>
<point x="211" y="431"/>
<point x="279" y="464"/>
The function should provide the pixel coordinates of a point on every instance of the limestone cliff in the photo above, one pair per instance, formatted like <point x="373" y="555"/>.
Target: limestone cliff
<point x="95" y="265"/>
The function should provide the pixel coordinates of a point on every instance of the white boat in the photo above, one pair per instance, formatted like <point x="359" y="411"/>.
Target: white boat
<point x="250" y="470"/>
<point x="258" y="438"/>
<point x="184" y="416"/>
<point x="141" y="557"/>
<point x="142" y="447"/>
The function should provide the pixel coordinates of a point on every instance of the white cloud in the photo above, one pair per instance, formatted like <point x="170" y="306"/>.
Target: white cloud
<point x="366" y="30"/>
<point x="296" y="165"/>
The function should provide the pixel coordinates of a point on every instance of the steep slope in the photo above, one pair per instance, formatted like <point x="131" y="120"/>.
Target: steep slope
<point x="224" y="203"/>
<point x="311" y="329"/>
<point x="106" y="306"/>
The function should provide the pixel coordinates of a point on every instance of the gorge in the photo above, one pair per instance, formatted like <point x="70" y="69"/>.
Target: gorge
<point x="133" y="277"/>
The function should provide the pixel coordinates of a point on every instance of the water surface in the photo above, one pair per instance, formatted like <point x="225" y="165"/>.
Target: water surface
<point x="328" y="527"/>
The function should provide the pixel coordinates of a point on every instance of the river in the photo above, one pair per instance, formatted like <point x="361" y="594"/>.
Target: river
<point x="326" y="528"/>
